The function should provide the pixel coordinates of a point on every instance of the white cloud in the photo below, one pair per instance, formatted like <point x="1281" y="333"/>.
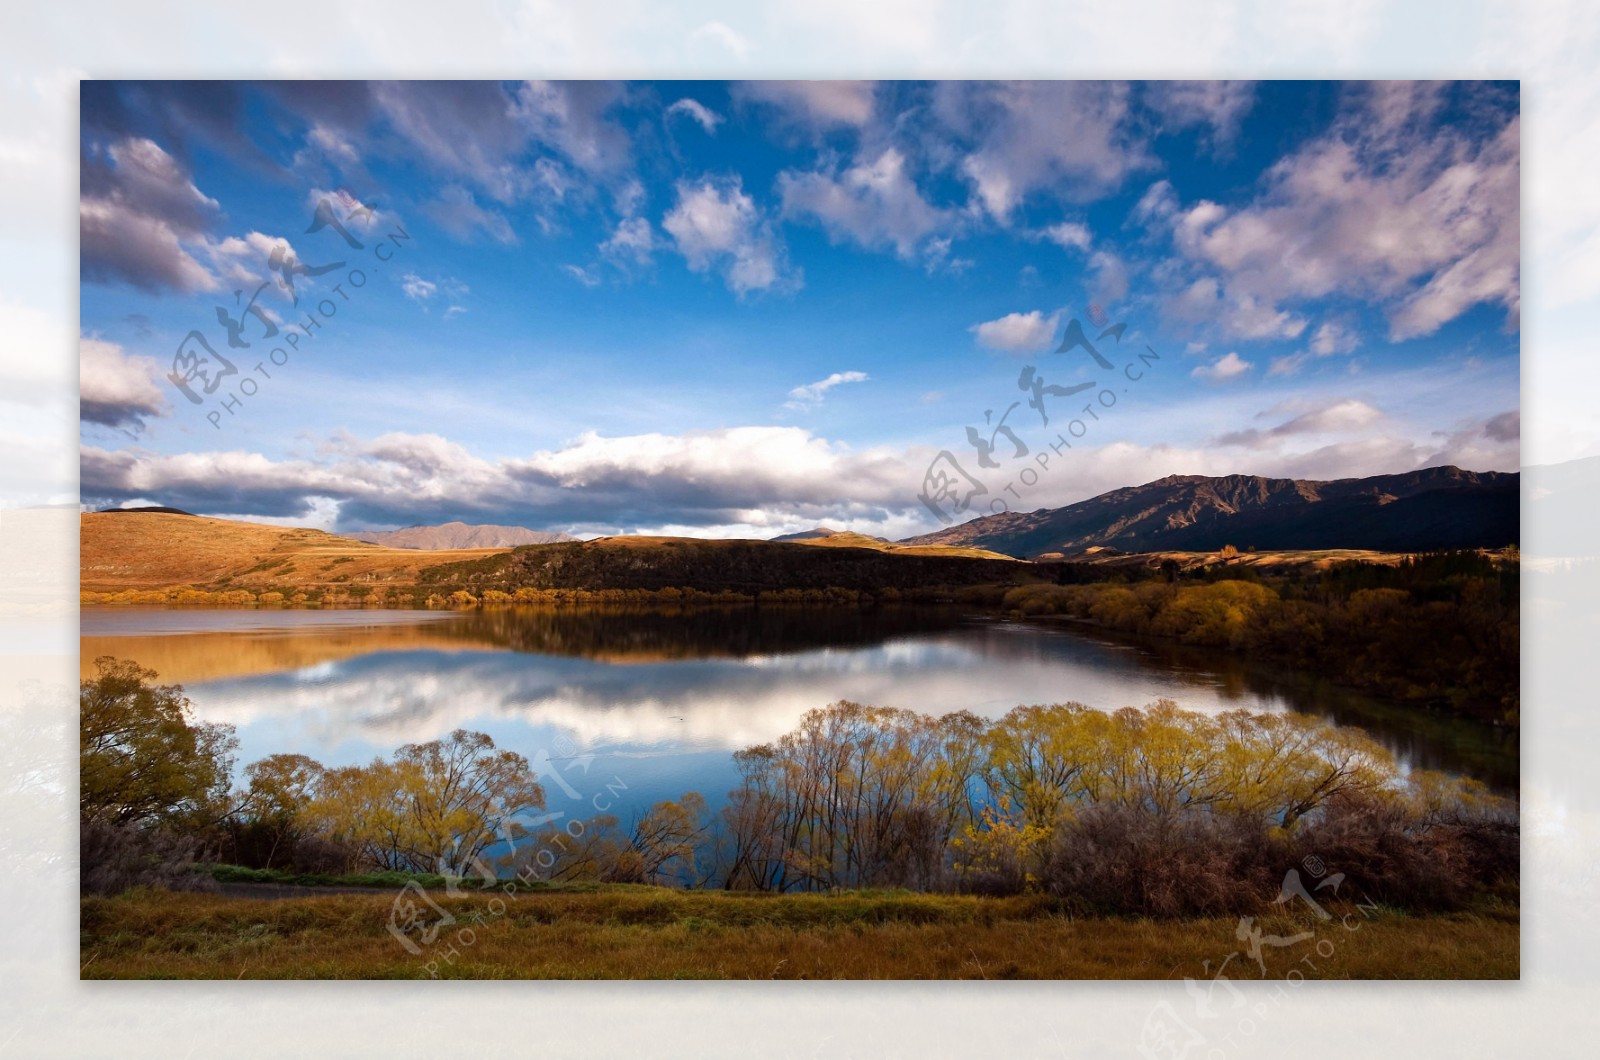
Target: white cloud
<point x="582" y="275"/>
<point x="1234" y="314"/>
<point x="1071" y="139"/>
<point x="1109" y="283"/>
<point x="1337" y="417"/>
<point x="633" y="238"/>
<point x="1332" y="337"/>
<point x="1068" y="235"/>
<point x="716" y="225"/>
<point x="1018" y="332"/>
<point x="137" y="210"/>
<point x="458" y="212"/>
<point x="811" y="395"/>
<point x="819" y="104"/>
<point x="416" y="288"/>
<point x="739" y="476"/>
<point x="1386" y="207"/>
<point x="723" y="36"/>
<point x="1224" y="368"/>
<point x="570" y="116"/>
<point x="1221" y="105"/>
<point x="117" y="389"/>
<point x="875" y="203"/>
<point x="333" y="145"/>
<point x="708" y="118"/>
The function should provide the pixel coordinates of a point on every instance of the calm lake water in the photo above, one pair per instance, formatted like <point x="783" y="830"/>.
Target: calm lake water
<point x="625" y="709"/>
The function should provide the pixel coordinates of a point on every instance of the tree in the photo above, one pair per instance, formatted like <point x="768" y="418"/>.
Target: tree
<point x="141" y="759"/>
<point x="279" y="796"/>
<point x="437" y="807"/>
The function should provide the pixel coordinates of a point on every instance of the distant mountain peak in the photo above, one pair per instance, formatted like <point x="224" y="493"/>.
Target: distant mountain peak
<point x="1413" y="511"/>
<point x="457" y="534"/>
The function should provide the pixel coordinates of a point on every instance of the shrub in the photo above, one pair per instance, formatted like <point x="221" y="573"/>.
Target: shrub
<point x="114" y="858"/>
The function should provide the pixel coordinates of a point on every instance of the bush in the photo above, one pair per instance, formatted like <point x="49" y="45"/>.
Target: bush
<point x="1390" y="857"/>
<point x="1124" y="860"/>
<point x="115" y="858"/>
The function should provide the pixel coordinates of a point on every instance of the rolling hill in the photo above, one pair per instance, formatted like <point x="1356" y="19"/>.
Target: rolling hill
<point x="457" y="535"/>
<point x="160" y="550"/>
<point x="128" y="552"/>
<point x="1434" y="508"/>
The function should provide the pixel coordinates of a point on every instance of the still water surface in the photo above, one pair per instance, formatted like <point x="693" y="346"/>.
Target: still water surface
<point x="630" y="708"/>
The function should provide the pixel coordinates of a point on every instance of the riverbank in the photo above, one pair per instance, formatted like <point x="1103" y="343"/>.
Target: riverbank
<point x="627" y="932"/>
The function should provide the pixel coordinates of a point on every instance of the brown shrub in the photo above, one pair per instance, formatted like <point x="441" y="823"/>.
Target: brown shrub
<point x="116" y="858"/>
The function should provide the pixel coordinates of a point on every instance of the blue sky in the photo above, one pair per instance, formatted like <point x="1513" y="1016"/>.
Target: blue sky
<point x="751" y="308"/>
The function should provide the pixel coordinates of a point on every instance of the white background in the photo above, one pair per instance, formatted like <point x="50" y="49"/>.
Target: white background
<point x="44" y="1011"/>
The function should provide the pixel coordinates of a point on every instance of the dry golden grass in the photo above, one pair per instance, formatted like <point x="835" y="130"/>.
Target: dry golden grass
<point x="147" y="550"/>
<point x="853" y="540"/>
<point x="642" y="932"/>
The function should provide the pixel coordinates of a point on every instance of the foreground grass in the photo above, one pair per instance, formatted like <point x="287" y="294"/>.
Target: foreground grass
<point x="645" y="932"/>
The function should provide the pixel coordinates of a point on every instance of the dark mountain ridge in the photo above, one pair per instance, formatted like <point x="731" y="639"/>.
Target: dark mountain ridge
<point x="1415" y="511"/>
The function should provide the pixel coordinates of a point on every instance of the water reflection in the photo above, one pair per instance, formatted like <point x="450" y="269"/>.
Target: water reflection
<point x="658" y="700"/>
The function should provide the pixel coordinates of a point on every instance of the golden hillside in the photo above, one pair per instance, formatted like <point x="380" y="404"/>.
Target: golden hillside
<point x="153" y="550"/>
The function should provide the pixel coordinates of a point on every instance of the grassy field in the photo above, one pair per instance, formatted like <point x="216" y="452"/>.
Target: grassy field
<point x="158" y="550"/>
<point x="604" y="932"/>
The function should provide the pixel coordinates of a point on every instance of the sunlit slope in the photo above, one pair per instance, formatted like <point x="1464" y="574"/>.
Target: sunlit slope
<point x="155" y="550"/>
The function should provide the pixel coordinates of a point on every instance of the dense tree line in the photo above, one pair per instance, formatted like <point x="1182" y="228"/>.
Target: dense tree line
<point x="1154" y="811"/>
<point x="1441" y="630"/>
<point x="740" y="567"/>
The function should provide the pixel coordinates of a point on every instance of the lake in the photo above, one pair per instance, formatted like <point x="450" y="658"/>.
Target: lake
<point x="622" y="709"/>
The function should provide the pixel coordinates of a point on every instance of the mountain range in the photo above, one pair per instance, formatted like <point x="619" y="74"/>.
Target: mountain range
<point x="457" y="535"/>
<point x="1433" y="508"/>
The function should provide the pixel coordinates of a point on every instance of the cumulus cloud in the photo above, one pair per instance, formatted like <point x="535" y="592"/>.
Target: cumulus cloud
<point x="1072" y="139"/>
<point x="416" y="288"/>
<point x="117" y="389"/>
<point x="1333" y="337"/>
<point x="633" y="238"/>
<point x="1219" y="105"/>
<point x="137" y="209"/>
<point x="811" y="395"/>
<point x="1388" y="206"/>
<point x="1330" y="338"/>
<point x="874" y="203"/>
<point x="704" y="115"/>
<point x="570" y="116"/>
<point x="1225" y="368"/>
<point x="1068" y="235"/>
<point x="740" y="476"/>
<point x="1506" y="427"/>
<point x="715" y="225"/>
<point x="1017" y="332"/>
<point x="1231" y="312"/>
<point x="818" y="104"/>
<point x="1334" y="418"/>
